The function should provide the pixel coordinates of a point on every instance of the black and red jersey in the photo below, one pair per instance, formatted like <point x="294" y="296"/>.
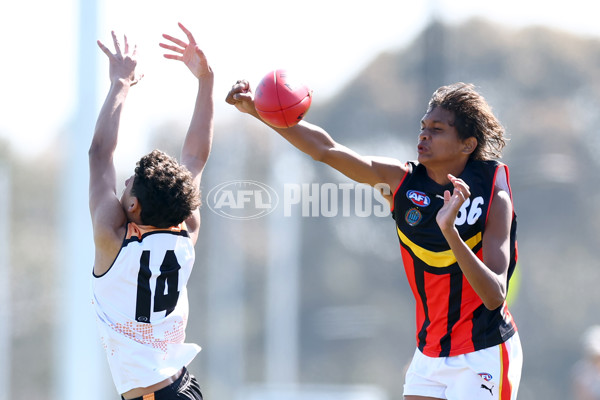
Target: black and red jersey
<point x="451" y="318"/>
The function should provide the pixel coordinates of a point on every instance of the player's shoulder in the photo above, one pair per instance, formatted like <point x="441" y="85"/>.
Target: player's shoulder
<point x="491" y="165"/>
<point x="390" y="168"/>
<point x="393" y="174"/>
<point x="389" y="161"/>
<point x="493" y="171"/>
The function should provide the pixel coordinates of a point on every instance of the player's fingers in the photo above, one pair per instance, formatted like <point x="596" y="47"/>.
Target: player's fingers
<point x="116" y="43"/>
<point x="459" y="194"/>
<point x="137" y="79"/>
<point x="242" y="85"/>
<point x="466" y="192"/>
<point x="126" y="44"/>
<point x="229" y="98"/>
<point x="187" y="33"/>
<point x="463" y="188"/>
<point x="447" y="196"/>
<point x="173" y="57"/>
<point x="134" y="50"/>
<point x="175" y="40"/>
<point x="459" y="183"/>
<point x="242" y="96"/>
<point x="172" y="48"/>
<point x="235" y="96"/>
<point x="239" y="87"/>
<point x="104" y="49"/>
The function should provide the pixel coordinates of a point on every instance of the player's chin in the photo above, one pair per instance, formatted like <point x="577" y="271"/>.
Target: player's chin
<point x="423" y="158"/>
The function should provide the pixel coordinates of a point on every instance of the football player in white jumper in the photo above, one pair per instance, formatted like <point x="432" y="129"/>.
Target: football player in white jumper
<point x="144" y="239"/>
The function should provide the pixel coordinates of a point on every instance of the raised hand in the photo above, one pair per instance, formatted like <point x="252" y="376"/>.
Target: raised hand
<point x="452" y="203"/>
<point x="122" y="62"/>
<point x="189" y="53"/>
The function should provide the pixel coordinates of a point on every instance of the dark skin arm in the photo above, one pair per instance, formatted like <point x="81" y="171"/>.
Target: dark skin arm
<point x="487" y="277"/>
<point x="382" y="173"/>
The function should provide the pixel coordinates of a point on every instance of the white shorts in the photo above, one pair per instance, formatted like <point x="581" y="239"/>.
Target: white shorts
<point x="489" y="374"/>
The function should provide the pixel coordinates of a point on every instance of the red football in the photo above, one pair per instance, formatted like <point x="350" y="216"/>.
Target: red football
<point x="280" y="101"/>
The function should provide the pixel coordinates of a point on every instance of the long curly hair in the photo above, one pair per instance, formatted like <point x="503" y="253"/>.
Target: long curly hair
<point x="164" y="189"/>
<point x="473" y="117"/>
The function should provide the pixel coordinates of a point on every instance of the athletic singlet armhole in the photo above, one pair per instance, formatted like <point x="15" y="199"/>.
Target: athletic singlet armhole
<point x="398" y="188"/>
<point x="502" y="180"/>
<point x="117" y="256"/>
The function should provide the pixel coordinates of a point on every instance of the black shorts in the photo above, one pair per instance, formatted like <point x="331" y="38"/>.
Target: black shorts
<point x="186" y="387"/>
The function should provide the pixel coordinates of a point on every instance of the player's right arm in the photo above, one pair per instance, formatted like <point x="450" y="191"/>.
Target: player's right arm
<point x="108" y="216"/>
<point x="381" y="172"/>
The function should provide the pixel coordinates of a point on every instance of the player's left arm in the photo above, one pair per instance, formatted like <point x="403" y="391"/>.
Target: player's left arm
<point x="198" y="140"/>
<point x="487" y="277"/>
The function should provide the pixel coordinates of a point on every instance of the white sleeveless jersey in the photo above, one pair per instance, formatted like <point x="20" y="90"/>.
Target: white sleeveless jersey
<point x="141" y="306"/>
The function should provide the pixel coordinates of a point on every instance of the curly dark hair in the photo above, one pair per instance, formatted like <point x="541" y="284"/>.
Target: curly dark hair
<point x="473" y="117"/>
<point x="164" y="189"/>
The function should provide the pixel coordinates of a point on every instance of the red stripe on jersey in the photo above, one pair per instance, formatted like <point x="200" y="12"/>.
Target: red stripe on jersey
<point x="505" y="385"/>
<point x="462" y="332"/>
<point x="437" y="288"/>
<point x="409" y="268"/>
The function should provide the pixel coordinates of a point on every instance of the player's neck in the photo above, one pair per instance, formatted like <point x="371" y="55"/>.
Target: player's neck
<point x="135" y="217"/>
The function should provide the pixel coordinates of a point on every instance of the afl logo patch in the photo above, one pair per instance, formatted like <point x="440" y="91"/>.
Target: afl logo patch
<point x="413" y="216"/>
<point x="418" y="198"/>
<point x="485" y="376"/>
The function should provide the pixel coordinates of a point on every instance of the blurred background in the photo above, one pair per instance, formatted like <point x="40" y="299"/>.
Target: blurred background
<point x="291" y="305"/>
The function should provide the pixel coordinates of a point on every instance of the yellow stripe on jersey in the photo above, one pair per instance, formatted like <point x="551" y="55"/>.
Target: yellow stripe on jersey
<point x="438" y="259"/>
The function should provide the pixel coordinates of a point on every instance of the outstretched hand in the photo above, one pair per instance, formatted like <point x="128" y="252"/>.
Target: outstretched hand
<point x="189" y="53"/>
<point x="122" y="63"/>
<point x="241" y="97"/>
<point x="452" y="203"/>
